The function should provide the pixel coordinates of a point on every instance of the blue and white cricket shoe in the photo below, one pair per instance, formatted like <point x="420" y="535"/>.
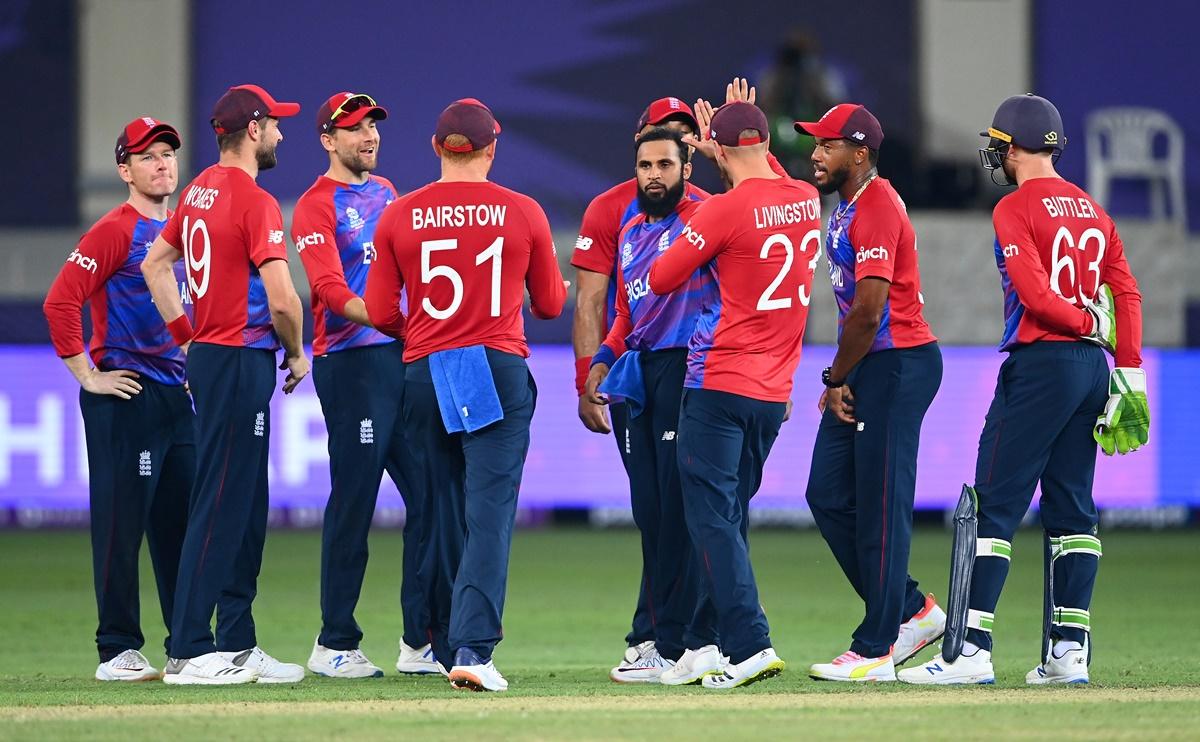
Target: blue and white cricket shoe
<point x="974" y="669"/>
<point x="342" y="663"/>
<point x="418" y="661"/>
<point x="472" y="672"/>
<point x="1069" y="667"/>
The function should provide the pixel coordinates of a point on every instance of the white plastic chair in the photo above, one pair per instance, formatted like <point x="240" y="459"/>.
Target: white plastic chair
<point x="1121" y="144"/>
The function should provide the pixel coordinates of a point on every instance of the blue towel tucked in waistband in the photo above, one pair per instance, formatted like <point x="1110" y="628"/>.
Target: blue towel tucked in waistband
<point x="625" y="381"/>
<point x="465" y="388"/>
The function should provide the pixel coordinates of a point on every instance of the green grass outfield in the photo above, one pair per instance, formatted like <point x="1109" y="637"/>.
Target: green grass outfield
<point x="570" y="596"/>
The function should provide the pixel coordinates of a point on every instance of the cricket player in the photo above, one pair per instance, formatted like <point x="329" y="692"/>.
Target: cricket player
<point x="137" y="415"/>
<point x="465" y="250"/>
<point x="359" y="374"/>
<point x="650" y="337"/>
<point x="595" y="259"/>
<point x="762" y="241"/>
<point x="229" y="232"/>
<point x="1060" y="258"/>
<point x="884" y="376"/>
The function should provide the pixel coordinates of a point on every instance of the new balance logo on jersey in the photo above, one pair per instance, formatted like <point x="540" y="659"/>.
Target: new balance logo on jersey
<point x="308" y="240"/>
<point x="1011" y="251"/>
<point x="275" y="236"/>
<point x="693" y="237"/>
<point x="366" y="431"/>
<point x="583" y="244"/>
<point x="871" y="253"/>
<point x="260" y="424"/>
<point x="356" y="221"/>
<point x="668" y="435"/>
<point x="81" y="260"/>
<point x="144" y="469"/>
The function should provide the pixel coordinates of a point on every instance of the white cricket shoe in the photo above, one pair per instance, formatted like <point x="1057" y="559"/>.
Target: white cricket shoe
<point x="341" y="663"/>
<point x="760" y="666"/>
<point x="968" y="669"/>
<point x="635" y="652"/>
<point x="207" y="669"/>
<point x="419" y="661"/>
<point x="265" y="667"/>
<point x="471" y="672"/>
<point x="130" y="666"/>
<point x="919" y="631"/>
<point x="646" y="669"/>
<point x="853" y="667"/>
<point x="694" y="665"/>
<point x="1070" y="666"/>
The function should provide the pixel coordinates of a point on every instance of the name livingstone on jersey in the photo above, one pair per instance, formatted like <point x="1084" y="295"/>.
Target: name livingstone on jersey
<point x="775" y="215"/>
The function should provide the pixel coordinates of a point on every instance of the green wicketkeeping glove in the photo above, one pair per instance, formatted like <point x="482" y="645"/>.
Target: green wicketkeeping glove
<point x="1125" y="424"/>
<point x="1104" y="325"/>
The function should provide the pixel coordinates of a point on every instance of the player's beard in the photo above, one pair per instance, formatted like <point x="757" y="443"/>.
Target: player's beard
<point x="265" y="156"/>
<point x="664" y="205"/>
<point x="356" y="163"/>
<point x="835" y="180"/>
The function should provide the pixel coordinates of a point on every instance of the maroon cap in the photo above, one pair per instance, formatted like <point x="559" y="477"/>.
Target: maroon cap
<point x="846" y="121"/>
<point x="345" y="110"/>
<point x="733" y="118"/>
<point x="470" y="118"/>
<point x="141" y="133"/>
<point x="666" y="108"/>
<point x="242" y="104"/>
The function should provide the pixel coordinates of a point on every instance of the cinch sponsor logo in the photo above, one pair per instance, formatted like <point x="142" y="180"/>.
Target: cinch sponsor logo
<point x="693" y="237"/>
<point x="871" y="253"/>
<point x="81" y="260"/>
<point x="308" y="240"/>
<point x="1011" y="251"/>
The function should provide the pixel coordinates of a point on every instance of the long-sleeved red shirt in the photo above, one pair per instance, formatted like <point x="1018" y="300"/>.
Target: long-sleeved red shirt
<point x="1055" y="247"/>
<point x="465" y="253"/>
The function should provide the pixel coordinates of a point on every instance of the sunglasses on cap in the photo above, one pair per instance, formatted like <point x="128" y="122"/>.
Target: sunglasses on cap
<point x="352" y="104"/>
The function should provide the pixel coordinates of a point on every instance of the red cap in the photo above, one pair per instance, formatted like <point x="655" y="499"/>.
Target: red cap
<point x="846" y="121"/>
<point x="242" y="104"/>
<point x="470" y="118"/>
<point x="665" y="108"/>
<point x="345" y="110"/>
<point x="141" y="133"/>
<point x="733" y="118"/>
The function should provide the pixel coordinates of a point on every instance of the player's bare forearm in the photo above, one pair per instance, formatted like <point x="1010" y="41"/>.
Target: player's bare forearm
<point x="356" y="311"/>
<point x="288" y="320"/>
<point x="587" y="329"/>
<point x="157" y="269"/>
<point x="860" y="326"/>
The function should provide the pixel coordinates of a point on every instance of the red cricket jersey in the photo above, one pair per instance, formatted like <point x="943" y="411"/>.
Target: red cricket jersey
<point x="465" y="252"/>
<point x="873" y="238"/>
<point x="333" y="226"/>
<point x="1054" y="247"/>
<point x="226" y="226"/>
<point x="765" y="238"/>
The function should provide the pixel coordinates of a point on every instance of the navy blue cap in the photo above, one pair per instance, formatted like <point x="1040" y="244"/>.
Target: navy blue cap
<point x="1029" y="121"/>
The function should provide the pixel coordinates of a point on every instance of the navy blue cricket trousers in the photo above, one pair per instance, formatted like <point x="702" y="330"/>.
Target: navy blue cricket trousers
<point x="724" y="440"/>
<point x="362" y="395"/>
<point x="863" y="481"/>
<point x="642" y="628"/>
<point x="470" y="483"/>
<point x="1039" y="429"/>
<point x="227" y="523"/>
<point x="657" y="496"/>
<point x="141" y="463"/>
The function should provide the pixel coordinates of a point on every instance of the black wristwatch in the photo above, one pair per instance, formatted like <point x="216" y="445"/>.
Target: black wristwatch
<point x="828" y="380"/>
